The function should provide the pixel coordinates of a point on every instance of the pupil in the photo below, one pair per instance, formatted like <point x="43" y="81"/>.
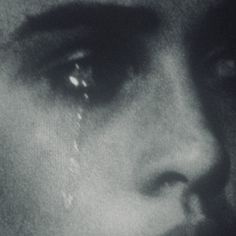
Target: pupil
<point x="81" y="77"/>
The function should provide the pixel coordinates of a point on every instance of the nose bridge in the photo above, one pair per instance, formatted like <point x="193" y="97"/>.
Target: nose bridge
<point x="185" y="114"/>
<point x="178" y="138"/>
<point x="174" y="98"/>
<point x="184" y="98"/>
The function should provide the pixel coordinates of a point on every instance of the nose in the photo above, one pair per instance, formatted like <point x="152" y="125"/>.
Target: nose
<point x="178" y="143"/>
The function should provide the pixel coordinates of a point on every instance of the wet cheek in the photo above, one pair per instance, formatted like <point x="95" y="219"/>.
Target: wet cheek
<point x="38" y="167"/>
<point x="44" y="171"/>
<point x="49" y="152"/>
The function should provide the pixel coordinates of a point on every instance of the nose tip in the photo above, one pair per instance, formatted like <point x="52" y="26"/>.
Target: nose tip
<point x="213" y="181"/>
<point x="202" y="168"/>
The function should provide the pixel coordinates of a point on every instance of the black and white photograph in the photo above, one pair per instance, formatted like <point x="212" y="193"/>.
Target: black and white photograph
<point x="117" y="117"/>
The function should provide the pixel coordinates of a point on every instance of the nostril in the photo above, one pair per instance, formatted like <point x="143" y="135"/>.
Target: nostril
<point x="155" y="185"/>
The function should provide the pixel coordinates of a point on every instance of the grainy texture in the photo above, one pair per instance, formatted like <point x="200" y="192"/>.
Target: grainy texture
<point x="117" y="118"/>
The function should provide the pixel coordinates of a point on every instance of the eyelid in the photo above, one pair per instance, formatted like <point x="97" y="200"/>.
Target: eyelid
<point x="41" y="50"/>
<point x="81" y="55"/>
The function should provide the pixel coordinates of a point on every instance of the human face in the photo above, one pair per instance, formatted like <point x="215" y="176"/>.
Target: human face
<point x="117" y="118"/>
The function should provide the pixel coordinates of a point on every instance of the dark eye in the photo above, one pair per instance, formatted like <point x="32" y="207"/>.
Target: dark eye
<point x="87" y="77"/>
<point x="223" y="75"/>
<point x="71" y="78"/>
<point x="225" y="69"/>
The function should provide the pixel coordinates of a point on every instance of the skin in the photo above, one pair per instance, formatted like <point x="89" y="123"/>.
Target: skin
<point x="106" y="183"/>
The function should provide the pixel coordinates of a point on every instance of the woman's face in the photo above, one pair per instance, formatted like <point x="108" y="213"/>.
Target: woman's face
<point x="117" y="117"/>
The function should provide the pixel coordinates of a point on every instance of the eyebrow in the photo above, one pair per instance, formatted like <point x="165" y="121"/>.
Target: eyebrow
<point x="98" y="16"/>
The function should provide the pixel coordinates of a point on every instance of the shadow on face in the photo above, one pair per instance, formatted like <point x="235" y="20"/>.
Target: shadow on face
<point x="118" y="118"/>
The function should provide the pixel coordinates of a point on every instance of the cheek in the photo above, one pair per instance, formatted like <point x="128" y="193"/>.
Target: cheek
<point x="37" y="165"/>
<point x="53" y="185"/>
<point x="50" y="175"/>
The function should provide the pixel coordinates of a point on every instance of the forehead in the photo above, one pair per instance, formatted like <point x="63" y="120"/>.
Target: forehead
<point x="12" y="13"/>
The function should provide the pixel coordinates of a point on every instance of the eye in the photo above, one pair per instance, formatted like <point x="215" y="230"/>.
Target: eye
<point x="84" y="76"/>
<point x="222" y="75"/>
<point x="225" y="68"/>
<point x="72" y="77"/>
